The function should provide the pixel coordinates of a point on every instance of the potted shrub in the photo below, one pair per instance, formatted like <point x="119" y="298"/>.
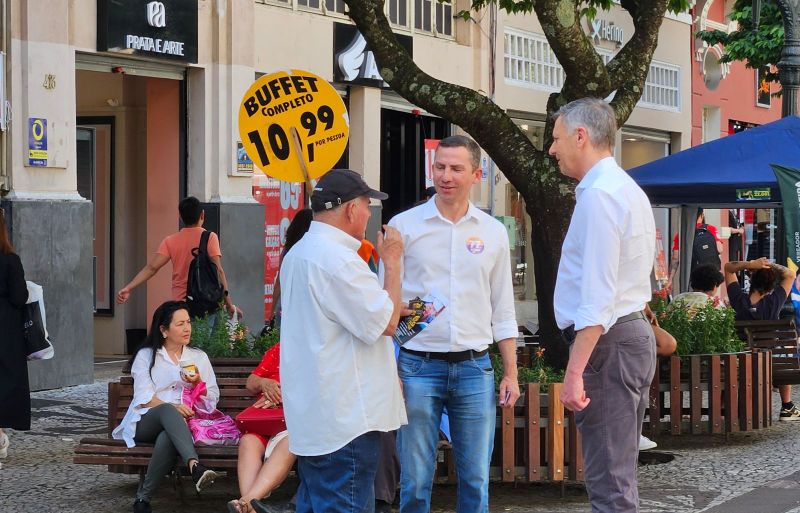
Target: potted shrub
<point x="699" y="330"/>
<point x="225" y="340"/>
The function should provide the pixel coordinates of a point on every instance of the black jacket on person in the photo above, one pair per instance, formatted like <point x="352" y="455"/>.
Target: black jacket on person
<point x="15" y="395"/>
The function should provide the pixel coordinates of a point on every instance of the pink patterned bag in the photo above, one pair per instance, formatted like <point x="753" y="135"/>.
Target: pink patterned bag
<point x="209" y="428"/>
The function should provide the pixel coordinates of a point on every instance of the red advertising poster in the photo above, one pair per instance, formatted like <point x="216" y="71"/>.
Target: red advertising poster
<point x="660" y="267"/>
<point x="430" y="150"/>
<point x="281" y="200"/>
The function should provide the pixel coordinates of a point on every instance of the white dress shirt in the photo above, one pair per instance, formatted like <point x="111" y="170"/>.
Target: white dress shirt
<point x="608" y="253"/>
<point x="165" y="383"/>
<point x="338" y="374"/>
<point x="468" y="263"/>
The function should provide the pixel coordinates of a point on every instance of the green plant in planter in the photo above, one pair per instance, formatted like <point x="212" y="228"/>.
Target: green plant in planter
<point x="699" y="330"/>
<point x="538" y="372"/>
<point x="222" y="341"/>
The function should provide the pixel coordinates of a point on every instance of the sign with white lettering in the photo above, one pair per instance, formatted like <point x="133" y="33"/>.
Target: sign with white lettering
<point x="353" y="61"/>
<point x="165" y="29"/>
<point x="281" y="103"/>
<point x="606" y="30"/>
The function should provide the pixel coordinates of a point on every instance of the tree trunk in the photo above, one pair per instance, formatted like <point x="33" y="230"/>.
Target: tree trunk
<point x="550" y="206"/>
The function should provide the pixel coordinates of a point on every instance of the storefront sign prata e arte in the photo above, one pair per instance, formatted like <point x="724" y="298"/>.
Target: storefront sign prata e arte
<point x="166" y="29"/>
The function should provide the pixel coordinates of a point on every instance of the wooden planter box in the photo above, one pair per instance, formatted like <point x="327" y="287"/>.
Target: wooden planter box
<point x="719" y="393"/>
<point x="536" y="440"/>
<point x="527" y="438"/>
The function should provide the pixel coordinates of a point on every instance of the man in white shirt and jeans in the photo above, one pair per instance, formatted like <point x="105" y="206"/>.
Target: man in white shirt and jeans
<point x="338" y="375"/>
<point x="461" y="254"/>
<point x="603" y="285"/>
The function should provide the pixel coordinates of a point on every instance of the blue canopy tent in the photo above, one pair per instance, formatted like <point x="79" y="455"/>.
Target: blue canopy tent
<point x="719" y="174"/>
<point x="710" y="174"/>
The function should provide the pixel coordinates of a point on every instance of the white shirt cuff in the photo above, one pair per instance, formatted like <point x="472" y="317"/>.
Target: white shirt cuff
<point x="505" y="329"/>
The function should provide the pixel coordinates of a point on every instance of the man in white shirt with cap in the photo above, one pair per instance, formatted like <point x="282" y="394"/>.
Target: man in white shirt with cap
<point x="338" y="375"/>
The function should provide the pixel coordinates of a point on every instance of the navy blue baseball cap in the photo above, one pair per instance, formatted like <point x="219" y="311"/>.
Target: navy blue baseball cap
<point x="339" y="186"/>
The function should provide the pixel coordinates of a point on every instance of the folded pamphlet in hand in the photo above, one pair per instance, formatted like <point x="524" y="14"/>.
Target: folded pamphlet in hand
<point x="426" y="310"/>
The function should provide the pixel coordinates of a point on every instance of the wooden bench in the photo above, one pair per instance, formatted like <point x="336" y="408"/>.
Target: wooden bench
<point x="231" y="377"/>
<point x="781" y="337"/>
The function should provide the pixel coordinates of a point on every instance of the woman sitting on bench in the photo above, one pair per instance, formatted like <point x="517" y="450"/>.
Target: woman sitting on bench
<point x="156" y="413"/>
<point x="264" y="462"/>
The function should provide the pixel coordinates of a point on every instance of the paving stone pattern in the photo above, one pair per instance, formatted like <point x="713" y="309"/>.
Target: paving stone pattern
<point x="712" y="474"/>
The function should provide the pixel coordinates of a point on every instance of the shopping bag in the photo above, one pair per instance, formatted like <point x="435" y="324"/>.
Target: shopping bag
<point x="209" y="428"/>
<point x="37" y="341"/>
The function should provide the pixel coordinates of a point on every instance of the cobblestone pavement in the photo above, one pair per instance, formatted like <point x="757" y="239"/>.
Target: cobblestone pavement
<point x="743" y="473"/>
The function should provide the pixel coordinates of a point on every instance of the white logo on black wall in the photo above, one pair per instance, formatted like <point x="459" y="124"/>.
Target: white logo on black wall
<point x="156" y="14"/>
<point x="156" y="17"/>
<point x="356" y="62"/>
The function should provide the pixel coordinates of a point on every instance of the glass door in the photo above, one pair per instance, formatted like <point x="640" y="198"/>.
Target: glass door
<point x="95" y="183"/>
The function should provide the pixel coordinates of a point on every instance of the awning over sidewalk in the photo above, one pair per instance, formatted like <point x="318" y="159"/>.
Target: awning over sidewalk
<point x="710" y="174"/>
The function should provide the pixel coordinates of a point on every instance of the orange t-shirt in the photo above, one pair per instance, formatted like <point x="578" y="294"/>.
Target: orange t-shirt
<point x="178" y="247"/>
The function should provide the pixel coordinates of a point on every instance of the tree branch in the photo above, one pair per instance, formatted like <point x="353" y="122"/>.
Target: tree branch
<point x="585" y="71"/>
<point x="629" y="68"/>
<point x="478" y="115"/>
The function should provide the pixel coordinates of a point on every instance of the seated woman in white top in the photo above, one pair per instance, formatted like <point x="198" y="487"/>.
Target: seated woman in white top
<point x="156" y="414"/>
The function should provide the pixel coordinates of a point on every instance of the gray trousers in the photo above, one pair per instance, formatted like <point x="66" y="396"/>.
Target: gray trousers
<point x="617" y="380"/>
<point x="165" y="426"/>
<point x="388" y="476"/>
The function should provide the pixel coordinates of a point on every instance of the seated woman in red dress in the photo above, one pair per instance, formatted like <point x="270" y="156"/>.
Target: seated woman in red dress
<point x="263" y="463"/>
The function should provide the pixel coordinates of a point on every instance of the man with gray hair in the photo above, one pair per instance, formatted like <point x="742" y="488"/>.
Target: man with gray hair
<point x="602" y="288"/>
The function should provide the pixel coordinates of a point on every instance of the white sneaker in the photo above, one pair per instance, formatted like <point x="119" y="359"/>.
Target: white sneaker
<point x="646" y="444"/>
<point x="3" y="445"/>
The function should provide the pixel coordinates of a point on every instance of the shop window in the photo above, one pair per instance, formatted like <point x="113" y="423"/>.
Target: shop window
<point x="94" y="143"/>
<point x="397" y="12"/>
<point x="530" y="62"/>
<point x="287" y="3"/>
<point x="308" y="4"/>
<point x="517" y="224"/>
<point x="662" y="87"/>
<point x="438" y="19"/>
<point x="337" y="6"/>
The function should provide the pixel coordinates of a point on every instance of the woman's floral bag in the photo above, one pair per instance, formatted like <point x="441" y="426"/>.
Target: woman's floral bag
<point x="209" y="428"/>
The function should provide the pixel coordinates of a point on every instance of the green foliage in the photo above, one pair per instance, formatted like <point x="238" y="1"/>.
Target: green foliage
<point x="710" y="330"/>
<point x="757" y="49"/>
<point x="538" y="372"/>
<point x="219" y="342"/>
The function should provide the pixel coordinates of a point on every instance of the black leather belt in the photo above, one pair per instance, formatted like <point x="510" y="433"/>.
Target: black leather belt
<point x="456" y="357"/>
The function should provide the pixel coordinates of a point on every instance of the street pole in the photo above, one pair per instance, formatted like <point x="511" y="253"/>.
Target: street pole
<point x="789" y="65"/>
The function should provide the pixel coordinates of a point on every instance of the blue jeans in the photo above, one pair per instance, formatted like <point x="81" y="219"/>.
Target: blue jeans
<point x="467" y="390"/>
<point x="340" y="482"/>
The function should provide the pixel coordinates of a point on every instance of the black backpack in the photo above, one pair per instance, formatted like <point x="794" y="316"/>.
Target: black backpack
<point x="704" y="249"/>
<point x="203" y="288"/>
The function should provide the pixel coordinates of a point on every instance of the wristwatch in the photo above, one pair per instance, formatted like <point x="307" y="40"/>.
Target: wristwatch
<point x="225" y="293"/>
